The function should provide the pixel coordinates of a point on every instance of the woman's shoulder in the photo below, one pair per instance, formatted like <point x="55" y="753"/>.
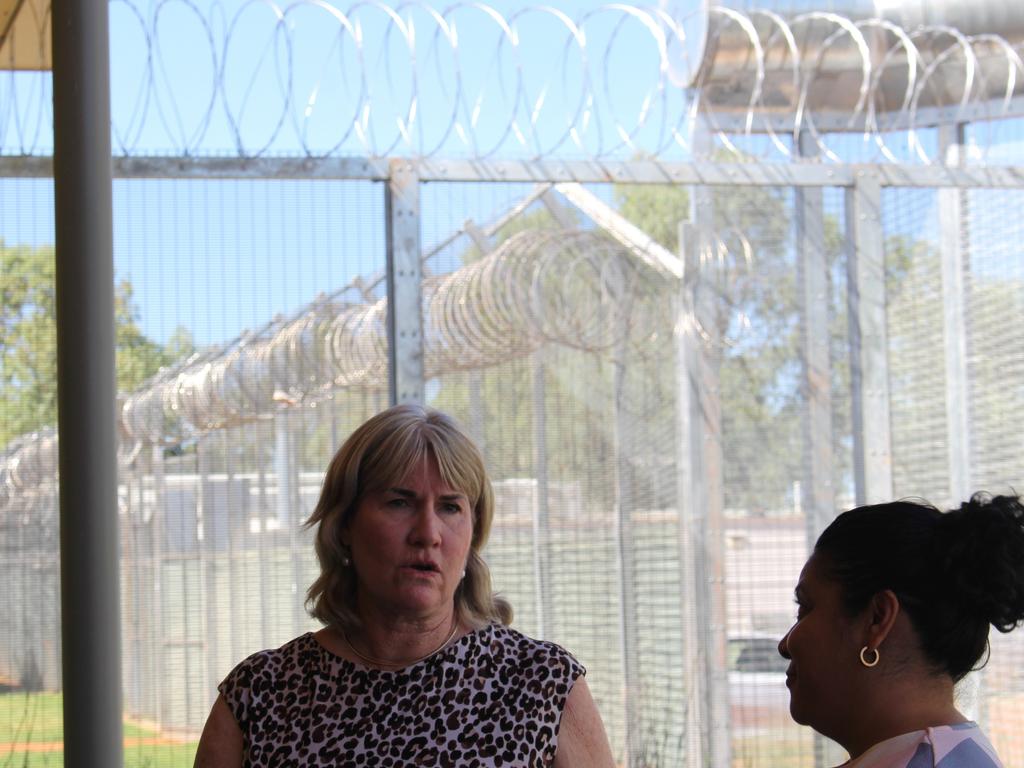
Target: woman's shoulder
<point x="272" y="662"/>
<point x="963" y="745"/>
<point x="523" y="649"/>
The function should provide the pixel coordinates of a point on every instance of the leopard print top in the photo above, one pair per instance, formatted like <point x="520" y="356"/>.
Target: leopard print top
<point x="494" y="697"/>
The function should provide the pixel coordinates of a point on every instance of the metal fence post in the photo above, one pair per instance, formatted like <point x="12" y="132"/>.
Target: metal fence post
<point x="405" y="284"/>
<point x="690" y="481"/>
<point x="89" y="556"/>
<point x="623" y="510"/>
<point x="158" y="523"/>
<point x="817" y="487"/>
<point x="869" y="344"/>
<point x="541" y="517"/>
<point x="953" y="249"/>
<point x="952" y="226"/>
<point x="817" y="490"/>
<point x="211" y="610"/>
<point x="701" y="506"/>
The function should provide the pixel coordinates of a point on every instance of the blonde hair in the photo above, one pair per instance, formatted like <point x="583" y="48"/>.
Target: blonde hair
<point x="379" y="454"/>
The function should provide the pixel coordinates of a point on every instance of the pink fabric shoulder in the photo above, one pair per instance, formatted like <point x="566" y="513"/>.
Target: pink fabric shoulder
<point x="948" y="746"/>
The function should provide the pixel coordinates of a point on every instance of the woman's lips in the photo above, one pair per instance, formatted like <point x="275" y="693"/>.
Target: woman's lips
<point x="422" y="570"/>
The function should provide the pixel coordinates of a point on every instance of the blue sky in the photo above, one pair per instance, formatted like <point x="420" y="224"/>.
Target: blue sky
<point x="221" y="256"/>
<point x="218" y="257"/>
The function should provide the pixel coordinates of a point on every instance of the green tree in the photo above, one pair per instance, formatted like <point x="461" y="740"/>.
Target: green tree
<point x="28" y="347"/>
<point x="758" y="302"/>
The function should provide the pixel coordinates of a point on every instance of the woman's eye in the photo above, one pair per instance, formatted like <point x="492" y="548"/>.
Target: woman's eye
<point x="398" y="502"/>
<point x="453" y="509"/>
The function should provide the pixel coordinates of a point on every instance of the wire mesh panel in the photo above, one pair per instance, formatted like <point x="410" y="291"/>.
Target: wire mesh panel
<point x="667" y="382"/>
<point x="915" y="301"/>
<point x="30" y="651"/>
<point x="582" y="431"/>
<point x="562" y="345"/>
<point x="783" y="384"/>
<point x="220" y="463"/>
<point x="969" y="414"/>
<point x="233" y="441"/>
<point x="995" y="352"/>
<point x="995" y="306"/>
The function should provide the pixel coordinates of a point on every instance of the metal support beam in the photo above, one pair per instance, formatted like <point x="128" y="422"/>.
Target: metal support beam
<point x="405" y="284"/>
<point x="817" y="493"/>
<point x="624" y="499"/>
<point x="704" y="172"/>
<point x="541" y="511"/>
<point x="86" y="392"/>
<point x="702" y="495"/>
<point x="708" y="422"/>
<point x="158" y="661"/>
<point x="952" y="251"/>
<point x="869" y="343"/>
<point x="691" y="527"/>
<point x="559" y="212"/>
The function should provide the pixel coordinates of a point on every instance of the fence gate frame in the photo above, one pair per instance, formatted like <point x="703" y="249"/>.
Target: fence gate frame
<point x="863" y="185"/>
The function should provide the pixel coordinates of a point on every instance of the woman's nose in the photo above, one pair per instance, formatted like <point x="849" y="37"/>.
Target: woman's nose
<point x="427" y="530"/>
<point x="784" y="646"/>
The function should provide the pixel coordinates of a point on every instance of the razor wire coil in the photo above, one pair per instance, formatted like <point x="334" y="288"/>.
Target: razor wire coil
<point x="410" y="80"/>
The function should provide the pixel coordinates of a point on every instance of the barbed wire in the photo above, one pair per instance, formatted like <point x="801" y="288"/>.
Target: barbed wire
<point x="27" y="463"/>
<point x="572" y="287"/>
<point x="255" y="78"/>
<point x="556" y="286"/>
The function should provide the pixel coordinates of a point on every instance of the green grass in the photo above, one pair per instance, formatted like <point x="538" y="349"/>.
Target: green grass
<point x="35" y="719"/>
<point x="30" y="717"/>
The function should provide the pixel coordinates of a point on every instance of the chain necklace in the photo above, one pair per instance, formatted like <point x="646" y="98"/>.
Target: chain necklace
<point x="397" y="664"/>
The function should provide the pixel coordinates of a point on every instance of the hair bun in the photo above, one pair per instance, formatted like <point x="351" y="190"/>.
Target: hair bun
<point x="979" y="549"/>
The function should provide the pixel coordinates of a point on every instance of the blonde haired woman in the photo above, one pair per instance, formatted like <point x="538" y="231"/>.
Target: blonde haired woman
<point x="416" y="664"/>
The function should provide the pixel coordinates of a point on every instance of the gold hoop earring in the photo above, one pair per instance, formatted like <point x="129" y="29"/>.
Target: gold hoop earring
<point x="874" y="661"/>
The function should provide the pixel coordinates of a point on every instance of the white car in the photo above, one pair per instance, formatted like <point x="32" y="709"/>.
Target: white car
<point x="758" y="697"/>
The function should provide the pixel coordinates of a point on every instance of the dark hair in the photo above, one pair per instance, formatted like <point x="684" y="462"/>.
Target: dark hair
<point x="954" y="573"/>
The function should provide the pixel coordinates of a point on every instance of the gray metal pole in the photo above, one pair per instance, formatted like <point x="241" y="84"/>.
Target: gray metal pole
<point x="405" y="284"/>
<point x="818" y="494"/>
<point x="817" y="491"/>
<point x="691" y="516"/>
<point x="953" y="250"/>
<point x="869" y="342"/>
<point x="86" y="392"/>
<point x="154" y="642"/>
<point x="541" y="516"/>
<point x="715" y="628"/>
<point x="952" y="205"/>
<point x="702" y="497"/>
<point x="624" y="547"/>
<point x="708" y="421"/>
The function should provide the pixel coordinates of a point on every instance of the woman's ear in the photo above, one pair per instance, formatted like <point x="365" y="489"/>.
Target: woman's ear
<point x="883" y="611"/>
<point x="344" y="534"/>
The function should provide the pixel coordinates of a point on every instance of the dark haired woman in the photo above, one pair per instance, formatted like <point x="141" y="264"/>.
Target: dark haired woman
<point x="895" y="605"/>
